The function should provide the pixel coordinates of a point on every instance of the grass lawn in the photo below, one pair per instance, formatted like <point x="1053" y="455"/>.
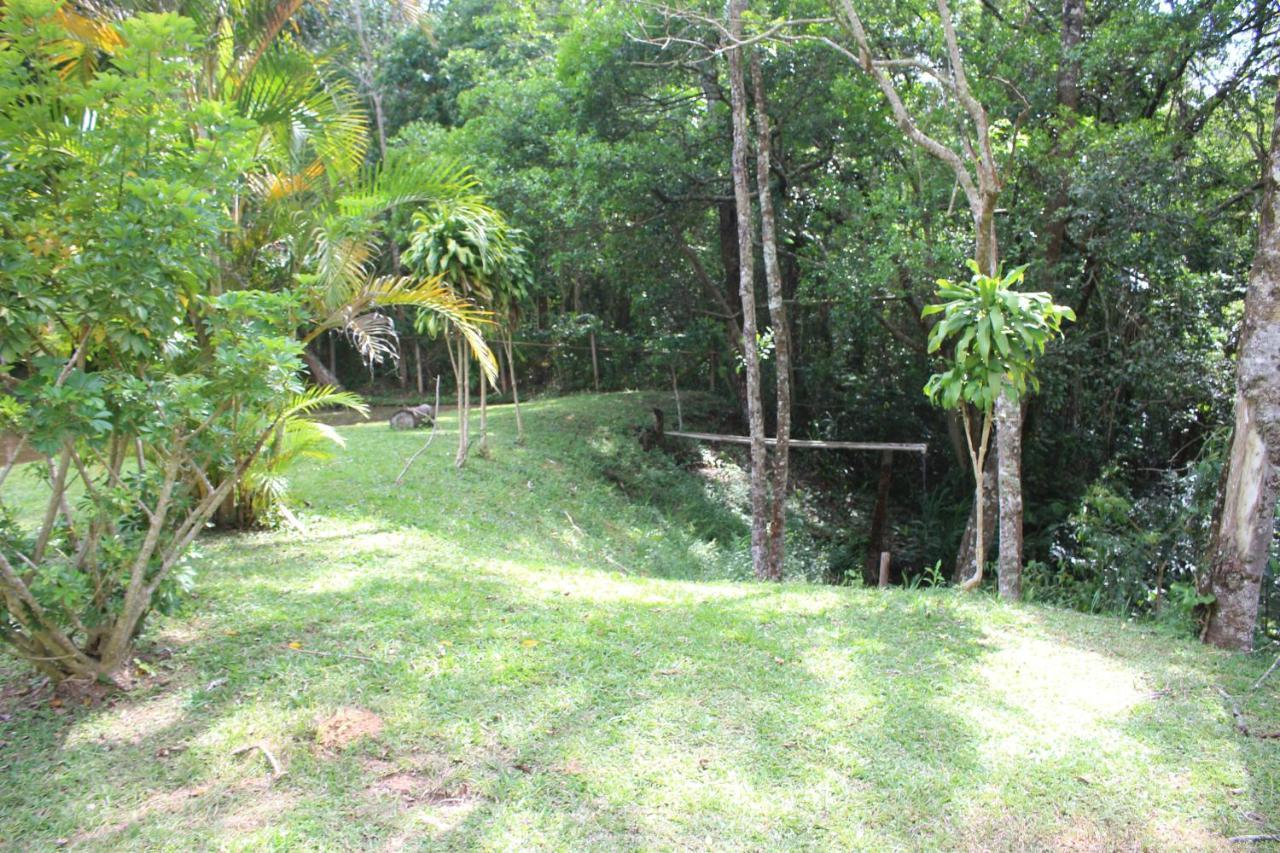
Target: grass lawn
<point x="552" y="649"/>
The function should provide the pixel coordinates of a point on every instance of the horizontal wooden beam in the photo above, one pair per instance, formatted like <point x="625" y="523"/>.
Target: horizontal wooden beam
<point x="796" y="442"/>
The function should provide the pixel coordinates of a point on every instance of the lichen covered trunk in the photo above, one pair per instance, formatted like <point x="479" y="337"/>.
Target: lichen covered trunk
<point x="1245" y="525"/>
<point x="746" y="292"/>
<point x="1009" y="479"/>
<point x="781" y="328"/>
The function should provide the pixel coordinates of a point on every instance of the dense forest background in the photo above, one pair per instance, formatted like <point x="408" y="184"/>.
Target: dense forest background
<point x="1133" y="136"/>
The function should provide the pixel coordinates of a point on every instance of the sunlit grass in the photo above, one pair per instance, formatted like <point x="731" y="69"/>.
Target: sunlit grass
<point x="558" y="664"/>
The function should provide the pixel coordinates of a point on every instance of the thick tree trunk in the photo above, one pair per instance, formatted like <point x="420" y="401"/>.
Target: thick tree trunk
<point x="319" y="373"/>
<point x="746" y="291"/>
<point x="1245" y="525"/>
<point x="1009" y="477"/>
<point x="781" y="329"/>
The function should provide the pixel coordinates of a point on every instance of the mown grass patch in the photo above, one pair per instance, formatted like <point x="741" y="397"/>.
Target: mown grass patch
<point x="557" y="659"/>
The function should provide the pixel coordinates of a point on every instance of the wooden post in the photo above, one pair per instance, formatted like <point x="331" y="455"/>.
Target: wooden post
<point x="658" y="425"/>
<point x="595" y="364"/>
<point x="884" y="569"/>
<point x="676" y="389"/>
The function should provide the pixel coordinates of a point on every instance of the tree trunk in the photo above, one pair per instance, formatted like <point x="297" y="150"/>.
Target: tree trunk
<point x="879" y="517"/>
<point x="966" y="555"/>
<point x="781" y="330"/>
<point x="1245" y="525"/>
<point x="1009" y="477"/>
<point x="460" y="361"/>
<point x="417" y="362"/>
<point x="746" y="292"/>
<point x="1069" y="100"/>
<point x="402" y="356"/>
<point x="515" y="390"/>
<point x="484" y="416"/>
<point x="978" y="455"/>
<point x="595" y="365"/>
<point x="319" y="373"/>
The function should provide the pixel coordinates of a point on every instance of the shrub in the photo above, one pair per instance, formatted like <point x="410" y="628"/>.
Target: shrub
<point x="144" y="391"/>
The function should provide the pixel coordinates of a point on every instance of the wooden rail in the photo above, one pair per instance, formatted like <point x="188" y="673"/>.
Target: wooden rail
<point x="796" y="442"/>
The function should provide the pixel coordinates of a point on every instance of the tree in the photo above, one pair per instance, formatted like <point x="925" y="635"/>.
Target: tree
<point x="120" y="367"/>
<point x="1246" y="516"/>
<point x="746" y="291"/>
<point x="465" y="244"/>
<point x="780" y="325"/>
<point x="998" y="333"/>
<point x="978" y="176"/>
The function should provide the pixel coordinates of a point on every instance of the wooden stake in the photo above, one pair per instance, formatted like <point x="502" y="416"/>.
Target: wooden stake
<point x="884" y="569"/>
<point x="595" y="364"/>
<point x="676" y="389"/>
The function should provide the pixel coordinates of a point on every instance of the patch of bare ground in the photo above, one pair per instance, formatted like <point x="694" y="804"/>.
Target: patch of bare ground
<point x="424" y="791"/>
<point x="345" y="726"/>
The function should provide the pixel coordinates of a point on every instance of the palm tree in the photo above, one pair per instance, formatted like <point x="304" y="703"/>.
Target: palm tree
<point x="308" y="221"/>
<point x="466" y="244"/>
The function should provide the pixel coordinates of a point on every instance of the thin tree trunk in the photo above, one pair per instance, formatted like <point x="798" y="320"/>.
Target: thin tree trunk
<point x="417" y="362"/>
<point x="595" y="364"/>
<point x="333" y="355"/>
<point x="1069" y="100"/>
<point x="458" y="359"/>
<point x="1245" y="525"/>
<point x="968" y="551"/>
<point x="746" y="292"/>
<point x="484" y="416"/>
<point x="978" y="456"/>
<point x="402" y="357"/>
<point x="515" y="390"/>
<point x="675" y="389"/>
<point x="781" y="329"/>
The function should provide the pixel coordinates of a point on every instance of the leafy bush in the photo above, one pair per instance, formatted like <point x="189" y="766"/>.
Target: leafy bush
<point x="1134" y="554"/>
<point x="146" y="393"/>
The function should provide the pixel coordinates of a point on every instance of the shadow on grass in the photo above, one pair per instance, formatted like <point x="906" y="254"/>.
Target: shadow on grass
<point x="637" y="715"/>
<point x="531" y="698"/>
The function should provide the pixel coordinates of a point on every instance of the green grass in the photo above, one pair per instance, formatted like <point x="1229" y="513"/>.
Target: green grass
<point x="560" y="658"/>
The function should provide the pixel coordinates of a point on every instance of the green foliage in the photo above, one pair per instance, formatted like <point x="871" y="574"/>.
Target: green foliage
<point x="122" y="366"/>
<point x="997" y="334"/>
<point x="531" y="667"/>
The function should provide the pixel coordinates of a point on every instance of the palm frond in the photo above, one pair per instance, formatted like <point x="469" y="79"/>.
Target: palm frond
<point x="277" y="17"/>
<point x="317" y="397"/>
<point x="435" y="296"/>
<point x="405" y="178"/>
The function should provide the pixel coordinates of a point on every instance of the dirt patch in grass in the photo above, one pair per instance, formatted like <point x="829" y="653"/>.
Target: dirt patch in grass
<point x="346" y="726"/>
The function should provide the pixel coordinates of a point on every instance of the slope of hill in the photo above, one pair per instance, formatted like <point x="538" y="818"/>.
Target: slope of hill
<point x="549" y="648"/>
